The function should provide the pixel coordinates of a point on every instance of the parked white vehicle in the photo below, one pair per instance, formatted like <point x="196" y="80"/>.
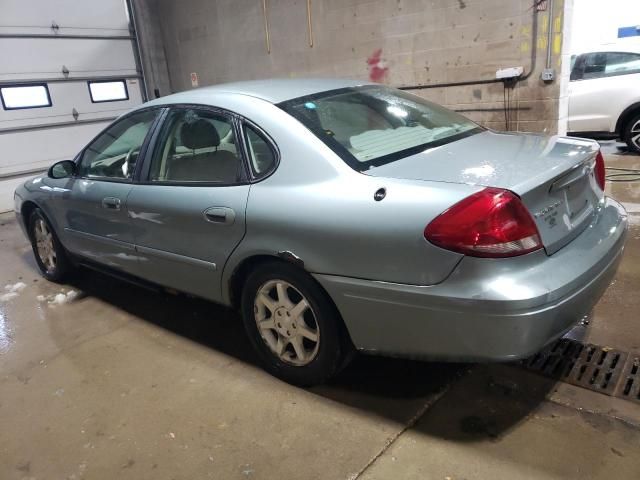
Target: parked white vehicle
<point x="604" y="95"/>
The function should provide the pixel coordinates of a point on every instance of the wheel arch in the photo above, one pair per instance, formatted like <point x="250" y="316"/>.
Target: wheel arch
<point x="625" y="116"/>
<point x="240" y="273"/>
<point x="26" y="209"/>
<point x="247" y="265"/>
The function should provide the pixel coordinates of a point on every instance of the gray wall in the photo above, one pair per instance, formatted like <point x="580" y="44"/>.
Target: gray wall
<point x="153" y="59"/>
<point x="423" y="42"/>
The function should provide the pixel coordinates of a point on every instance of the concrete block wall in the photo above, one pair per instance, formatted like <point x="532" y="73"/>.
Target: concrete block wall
<point x="420" y="42"/>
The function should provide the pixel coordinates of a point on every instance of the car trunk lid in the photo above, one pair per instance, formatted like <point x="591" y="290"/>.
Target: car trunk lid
<point x="554" y="176"/>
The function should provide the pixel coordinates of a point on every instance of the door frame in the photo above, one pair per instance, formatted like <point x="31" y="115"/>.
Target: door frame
<point x="142" y="177"/>
<point x="162" y="112"/>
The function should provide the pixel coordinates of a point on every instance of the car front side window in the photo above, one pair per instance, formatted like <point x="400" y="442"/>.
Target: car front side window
<point x="114" y="153"/>
<point x="595" y="65"/>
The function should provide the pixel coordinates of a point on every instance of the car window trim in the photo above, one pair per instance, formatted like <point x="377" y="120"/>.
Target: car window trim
<point x="143" y="166"/>
<point x="236" y="119"/>
<point x="141" y="155"/>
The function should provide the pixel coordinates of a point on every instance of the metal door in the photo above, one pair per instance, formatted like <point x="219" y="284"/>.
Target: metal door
<point x="82" y="56"/>
<point x="188" y="212"/>
<point x="185" y="234"/>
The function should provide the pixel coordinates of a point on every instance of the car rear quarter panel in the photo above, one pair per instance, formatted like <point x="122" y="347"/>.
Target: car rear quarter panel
<point x="324" y="212"/>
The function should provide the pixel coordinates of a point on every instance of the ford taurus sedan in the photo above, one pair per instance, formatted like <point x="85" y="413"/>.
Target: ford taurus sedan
<point x="338" y="216"/>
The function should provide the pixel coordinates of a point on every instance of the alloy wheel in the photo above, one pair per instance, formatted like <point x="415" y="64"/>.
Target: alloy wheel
<point x="287" y="322"/>
<point x="635" y="134"/>
<point x="44" y="245"/>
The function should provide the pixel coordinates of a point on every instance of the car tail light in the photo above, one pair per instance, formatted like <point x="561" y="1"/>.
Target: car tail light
<point x="599" y="170"/>
<point x="490" y="223"/>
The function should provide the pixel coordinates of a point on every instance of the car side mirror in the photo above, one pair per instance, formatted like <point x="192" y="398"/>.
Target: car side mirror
<point x="63" y="169"/>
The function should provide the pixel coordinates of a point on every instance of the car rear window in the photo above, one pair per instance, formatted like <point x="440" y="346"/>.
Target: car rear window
<point x="372" y="125"/>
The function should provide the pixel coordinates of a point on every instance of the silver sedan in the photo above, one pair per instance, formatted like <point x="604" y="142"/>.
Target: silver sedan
<point x="338" y="216"/>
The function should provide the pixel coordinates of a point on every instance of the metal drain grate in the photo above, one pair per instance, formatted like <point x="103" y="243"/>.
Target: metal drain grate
<point x="630" y="381"/>
<point x="589" y="366"/>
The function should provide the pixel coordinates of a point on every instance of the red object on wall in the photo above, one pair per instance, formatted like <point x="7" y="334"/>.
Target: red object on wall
<point x="377" y="66"/>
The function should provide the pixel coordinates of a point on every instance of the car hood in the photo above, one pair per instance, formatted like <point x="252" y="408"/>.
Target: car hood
<point x="515" y="161"/>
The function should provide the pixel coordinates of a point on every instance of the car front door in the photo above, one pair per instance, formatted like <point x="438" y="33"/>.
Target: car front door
<point x="188" y="210"/>
<point x="93" y="203"/>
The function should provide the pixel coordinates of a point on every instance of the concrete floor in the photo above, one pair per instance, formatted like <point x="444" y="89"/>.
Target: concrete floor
<point x="100" y="379"/>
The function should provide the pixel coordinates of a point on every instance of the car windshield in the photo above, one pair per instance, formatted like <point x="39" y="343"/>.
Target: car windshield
<point x="372" y="125"/>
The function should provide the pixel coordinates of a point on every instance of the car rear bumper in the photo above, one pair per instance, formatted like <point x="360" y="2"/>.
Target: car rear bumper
<point x="488" y="309"/>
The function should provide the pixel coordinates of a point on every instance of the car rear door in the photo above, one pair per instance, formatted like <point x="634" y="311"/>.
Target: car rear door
<point x="91" y="207"/>
<point x="188" y="210"/>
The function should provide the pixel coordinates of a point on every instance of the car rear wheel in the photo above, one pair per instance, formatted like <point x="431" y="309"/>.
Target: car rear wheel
<point x="51" y="256"/>
<point x="632" y="134"/>
<point x="293" y="325"/>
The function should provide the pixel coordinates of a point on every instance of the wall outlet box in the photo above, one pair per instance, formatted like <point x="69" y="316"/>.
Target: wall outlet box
<point x="548" y="74"/>
<point x="511" y="72"/>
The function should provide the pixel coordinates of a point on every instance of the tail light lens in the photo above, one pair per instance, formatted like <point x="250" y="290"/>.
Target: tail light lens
<point x="599" y="170"/>
<point x="490" y="223"/>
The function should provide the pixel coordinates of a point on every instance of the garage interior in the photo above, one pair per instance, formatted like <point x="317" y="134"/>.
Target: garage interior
<point x="104" y="379"/>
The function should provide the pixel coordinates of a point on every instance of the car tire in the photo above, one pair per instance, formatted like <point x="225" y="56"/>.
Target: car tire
<point x="51" y="257"/>
<point x="631" y="134"/>
<point x="301" y="338"/>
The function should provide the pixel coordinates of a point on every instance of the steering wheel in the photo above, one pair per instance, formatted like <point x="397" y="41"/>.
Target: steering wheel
<point x="127" y="160"/>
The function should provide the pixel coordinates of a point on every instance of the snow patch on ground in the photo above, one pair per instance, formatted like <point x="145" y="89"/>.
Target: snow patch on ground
<point x="59" y="298"/>
<point x="12" y="291"/>
<point x="5" y="297"/>
<point x="16" y="287"/>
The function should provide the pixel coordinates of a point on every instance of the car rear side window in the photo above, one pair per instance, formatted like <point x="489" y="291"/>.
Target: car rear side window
<point x="196" y="146"/>
<point x="605" y="64"/>
<point x="262" y="156"/>
<point x="114" y="153"/>
<point x="620" y="63"/>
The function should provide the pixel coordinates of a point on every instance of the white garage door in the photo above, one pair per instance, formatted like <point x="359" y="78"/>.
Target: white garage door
<point x="68" y="68"/>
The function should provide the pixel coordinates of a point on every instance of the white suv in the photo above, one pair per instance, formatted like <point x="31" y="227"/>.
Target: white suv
<point x="604" y="96"/>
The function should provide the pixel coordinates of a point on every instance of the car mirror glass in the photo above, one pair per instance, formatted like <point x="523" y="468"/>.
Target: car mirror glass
<point x="63" y="169"/>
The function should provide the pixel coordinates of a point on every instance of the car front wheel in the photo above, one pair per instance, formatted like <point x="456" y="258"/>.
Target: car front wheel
<point x="632" y="134"/>
<point x="51" y="256"/>
<point x="293" y="325"/>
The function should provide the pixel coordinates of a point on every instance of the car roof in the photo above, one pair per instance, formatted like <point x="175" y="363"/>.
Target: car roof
<point x="611" y="47"/>
<point x="274" y="90"/>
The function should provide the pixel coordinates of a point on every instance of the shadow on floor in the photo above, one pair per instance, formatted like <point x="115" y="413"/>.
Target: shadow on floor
<point x="484" y="400"/>
<point x="612" y="147"/>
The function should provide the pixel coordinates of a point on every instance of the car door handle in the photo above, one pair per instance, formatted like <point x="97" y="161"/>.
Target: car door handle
<point x="111" y="203"/>
<point x="222" y="215"/>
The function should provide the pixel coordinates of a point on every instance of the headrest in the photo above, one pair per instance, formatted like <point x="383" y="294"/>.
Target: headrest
<point x="199" y="134"/>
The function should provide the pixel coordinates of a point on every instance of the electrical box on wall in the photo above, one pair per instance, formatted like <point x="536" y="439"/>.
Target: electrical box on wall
<point x="548" y="75"/>
<point x="511" y="72"/>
